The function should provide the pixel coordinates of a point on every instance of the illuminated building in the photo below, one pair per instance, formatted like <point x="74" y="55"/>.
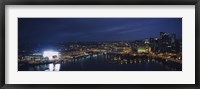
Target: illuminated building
<point x="146" y="41"/>
<point x="142" y="49"/>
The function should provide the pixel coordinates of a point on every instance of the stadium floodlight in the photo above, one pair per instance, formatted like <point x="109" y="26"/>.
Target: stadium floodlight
<point x="50" y="54"/>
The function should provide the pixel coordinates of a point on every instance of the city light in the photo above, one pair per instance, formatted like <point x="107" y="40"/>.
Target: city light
<point x="51" y="54"/>
<point x="125" y="49"/>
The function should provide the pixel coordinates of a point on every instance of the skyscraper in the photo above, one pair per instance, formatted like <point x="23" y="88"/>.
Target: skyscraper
<point x="162" y="35"/>
<point x="173" y="38"/>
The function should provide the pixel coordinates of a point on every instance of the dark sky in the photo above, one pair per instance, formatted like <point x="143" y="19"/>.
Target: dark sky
<point x="53" y="30"/>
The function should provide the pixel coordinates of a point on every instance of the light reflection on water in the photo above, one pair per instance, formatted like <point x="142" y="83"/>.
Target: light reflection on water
<point x="51" y="67"/>
<point x="57" y="67"/>
<point x="101" y="63"/>
<point x="46" y="67"/>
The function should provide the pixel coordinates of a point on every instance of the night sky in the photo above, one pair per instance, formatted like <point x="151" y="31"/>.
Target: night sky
<point x="54" y="30"/>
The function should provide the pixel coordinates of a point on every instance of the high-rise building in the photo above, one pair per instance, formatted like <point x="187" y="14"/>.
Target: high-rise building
<point x="165" y="38"/>
<point x="162" y="35"/>
<point x="173" y="38"/>
<point x="146" y="41"/>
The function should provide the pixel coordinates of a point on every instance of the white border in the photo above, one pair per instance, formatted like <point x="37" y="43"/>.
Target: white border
<point x="187" y="76"/>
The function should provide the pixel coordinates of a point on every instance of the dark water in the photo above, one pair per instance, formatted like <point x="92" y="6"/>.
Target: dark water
<point x="105" y="63"/>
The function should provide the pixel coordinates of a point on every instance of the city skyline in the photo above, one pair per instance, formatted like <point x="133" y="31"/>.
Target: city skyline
<point x="100" y="44"/>
<point x="55" y="30"/>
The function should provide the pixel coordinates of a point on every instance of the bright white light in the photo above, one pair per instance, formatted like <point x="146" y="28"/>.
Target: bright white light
<point x="51" y="67"/>
<point x="57" y="67"/>
<point x="50" y="54"/>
